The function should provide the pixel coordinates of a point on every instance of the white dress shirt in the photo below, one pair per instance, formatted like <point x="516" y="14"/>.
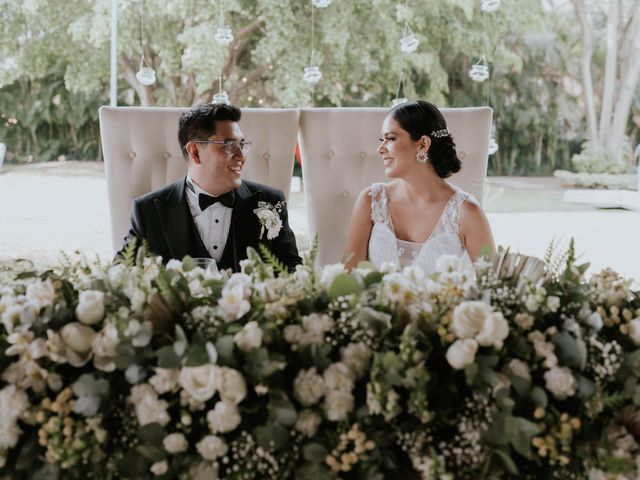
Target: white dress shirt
<point x="213" y="223"/>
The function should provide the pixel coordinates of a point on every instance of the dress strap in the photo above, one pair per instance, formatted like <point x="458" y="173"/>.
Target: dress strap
<point x="379" y="207"/>
<point x="450" y="220"/>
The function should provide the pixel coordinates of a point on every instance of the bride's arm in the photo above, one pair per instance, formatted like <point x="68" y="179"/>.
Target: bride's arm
<point x="356" y="248"/>
<point x="475" y="230"/>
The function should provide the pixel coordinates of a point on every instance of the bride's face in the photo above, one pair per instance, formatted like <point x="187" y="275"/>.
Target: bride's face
<point x="397" y="149"/>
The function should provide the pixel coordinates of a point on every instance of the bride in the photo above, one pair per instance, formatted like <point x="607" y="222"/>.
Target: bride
<point x="419" y="216"/>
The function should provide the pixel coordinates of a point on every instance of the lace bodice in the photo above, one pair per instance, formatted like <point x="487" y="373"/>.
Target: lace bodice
<point x="384" y="246"/>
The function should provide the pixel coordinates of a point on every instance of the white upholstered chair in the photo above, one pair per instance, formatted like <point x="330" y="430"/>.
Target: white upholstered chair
<point x="141" y="153"/>
<point x="339" y="159"/>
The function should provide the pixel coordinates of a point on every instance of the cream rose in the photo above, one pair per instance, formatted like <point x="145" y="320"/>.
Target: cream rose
<point x="357" y="356"/>
<point x="165" y="379"/>
<point x="469" y="317"/>
<point x="338" y="404"/>
<point x="560" y="382"/>
<point x="249" y="337"/>
<point x="200" y="382"/>
<point x="175" y="443"/>
<point x="90" y="309"/>
<point x="212" y="447"/>
<point x="78" y="340"/>
<point x="634" y="330"/>
<point x="104" y="347"/>
<point x="231" y="384"/>
<point x="225" y="417"/>
<point x="159" y="468"/>
<point x="308" y="387"/>
<point x="494" y="331"/>
<point x="462" y="353"/>
<point x="338" y="376"/>
<point x="148" y="408"/>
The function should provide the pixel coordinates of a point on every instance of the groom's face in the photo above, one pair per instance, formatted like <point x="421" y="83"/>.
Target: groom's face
<point x="217" y="167"/>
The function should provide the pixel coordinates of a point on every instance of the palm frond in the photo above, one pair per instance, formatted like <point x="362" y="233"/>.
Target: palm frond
<point x="129" y="252"/>
<point x="310" y="257"/>
<point x="271" y="260"/>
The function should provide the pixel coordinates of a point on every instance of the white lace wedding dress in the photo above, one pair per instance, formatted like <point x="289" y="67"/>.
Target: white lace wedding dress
<point x="384" y="246"/>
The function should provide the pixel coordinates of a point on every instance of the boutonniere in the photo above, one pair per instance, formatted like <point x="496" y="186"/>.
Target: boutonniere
<point x="269" y="218"/>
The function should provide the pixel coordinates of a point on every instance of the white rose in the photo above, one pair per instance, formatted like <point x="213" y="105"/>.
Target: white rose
<point x="308" y="387"/>
<point x="232" y="303"/>
<point x="553" y="303"/>
<point x="159" y="468"/>
<point x="90" y="309"/>
<point x="560" y="382"/>
<point x="104" y="347"/>
<point x="148" y="408"/>
<point x="468" y="318"/>
<point x="532" y="303"/>
<point x="225" y="417"/>
<point x="524" y="320"/>
<point x="634" y="330"/>
<point x="200" y="382"/>
<point x="165" y="379"/>
<point x="212" y="447"/>
<point x="495" y="330"/>
<point x="249" y="337"/>
<point x="338" y="376"/>
<point x="175" y="443"/>
<point x="231" y="384"/>
<point x="329" y="274"/>
<point x="357" y="356"/>
<point x="293" y="333"/>
<point x="203" y="471"/>
<point x="13" y="403"/>
<point x="519" y="368"/>
<point x="41" y="294"/>
<point x="308" y="423"/>
<point x="338" y="404"/>
<point x="78" y="340"/>
<point x="462" y="353"/>
<point x="315" y="327"/>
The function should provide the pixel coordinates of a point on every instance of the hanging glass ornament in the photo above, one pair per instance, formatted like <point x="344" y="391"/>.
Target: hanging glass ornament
<point x="145" y="75"/>
<point x="490" y="5"/>
<point x="493" y="146"/>
<point x="312" y="75"/>
<point x="480" y="71"/>
<point x="321" y="3"/>
<point x="221" y="97"/>
<point x="398" y="101"/>
<point x="223" y="36"/>
<point x="409" y="43"/>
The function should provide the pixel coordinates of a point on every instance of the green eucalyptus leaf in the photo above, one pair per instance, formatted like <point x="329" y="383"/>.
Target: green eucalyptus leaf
<point x="314" y="452"/>
<point x="167" y="357"/>
<point x="507" y="462"/>
<point x="344" y="284"/>
<point x="272" y="436"/>
<point x="570" y="350"/>
<point x="539" y="397"/>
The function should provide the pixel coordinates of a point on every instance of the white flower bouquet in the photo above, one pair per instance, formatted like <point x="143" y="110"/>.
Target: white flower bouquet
<point x="139" y="370"/>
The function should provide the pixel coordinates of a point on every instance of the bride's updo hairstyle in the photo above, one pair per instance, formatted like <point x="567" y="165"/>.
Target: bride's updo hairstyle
<point x="420" y="118"/>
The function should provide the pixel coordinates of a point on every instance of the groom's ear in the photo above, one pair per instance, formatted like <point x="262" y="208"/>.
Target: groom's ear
<point x="193" y="152"/>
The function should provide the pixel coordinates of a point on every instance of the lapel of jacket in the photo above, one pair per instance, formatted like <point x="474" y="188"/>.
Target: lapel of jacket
<point x="244" y="229"/>
<point x="177" y="225"/>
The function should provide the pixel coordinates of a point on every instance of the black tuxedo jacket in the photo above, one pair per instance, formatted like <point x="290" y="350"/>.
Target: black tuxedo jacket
<point x="164" y="220"/>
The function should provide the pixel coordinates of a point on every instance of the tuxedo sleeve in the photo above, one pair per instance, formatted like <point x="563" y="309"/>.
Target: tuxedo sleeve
<point x="284" y="245"/>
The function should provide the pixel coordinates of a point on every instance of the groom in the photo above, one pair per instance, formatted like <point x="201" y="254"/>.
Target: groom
<point x="210" y="212"/>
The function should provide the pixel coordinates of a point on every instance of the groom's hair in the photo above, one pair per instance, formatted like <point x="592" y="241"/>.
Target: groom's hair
<point x="420" y="118"/>
<point x="199" y="123"/>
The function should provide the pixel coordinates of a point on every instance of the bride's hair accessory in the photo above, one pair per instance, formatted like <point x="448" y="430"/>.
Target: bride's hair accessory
<point x="422" y="156"/>
<point x="441" y="133"/>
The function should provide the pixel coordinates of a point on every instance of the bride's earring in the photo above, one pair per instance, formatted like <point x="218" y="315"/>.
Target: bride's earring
<point x="422" y="156"/>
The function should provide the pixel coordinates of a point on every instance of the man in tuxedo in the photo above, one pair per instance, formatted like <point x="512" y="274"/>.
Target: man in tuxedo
<point x="210" y="212"/>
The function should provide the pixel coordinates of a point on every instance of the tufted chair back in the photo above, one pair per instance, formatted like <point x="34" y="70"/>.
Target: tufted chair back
<point x="141" y="153"/>
<point x="339" y="159"/>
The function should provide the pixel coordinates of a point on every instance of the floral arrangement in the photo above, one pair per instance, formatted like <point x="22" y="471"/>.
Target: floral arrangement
<point x="139" y="370"/>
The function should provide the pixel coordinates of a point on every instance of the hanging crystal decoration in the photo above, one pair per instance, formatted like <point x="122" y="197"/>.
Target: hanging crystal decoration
<point x="398" y="100"/>
<point x="312" y="74"/>
<point x="493" y="146"/>
<point x="321" y="3"/>
<point x="480" y="71"/>
<point x="490" y="5"/>
<point x="145" y="75"/>
<point x="223" y="36"/>
<point x="409" y="42"/>
<point x="221" y="97"/>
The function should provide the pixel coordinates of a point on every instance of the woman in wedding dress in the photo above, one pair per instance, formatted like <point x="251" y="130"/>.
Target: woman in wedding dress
<point x="418" y="216"/>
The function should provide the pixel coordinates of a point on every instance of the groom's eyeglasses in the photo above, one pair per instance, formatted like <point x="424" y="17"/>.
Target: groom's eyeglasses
<point x="229" y="146"/>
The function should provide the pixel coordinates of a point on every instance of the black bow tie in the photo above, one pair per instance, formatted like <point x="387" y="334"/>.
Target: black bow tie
<point x="225" y="199"/>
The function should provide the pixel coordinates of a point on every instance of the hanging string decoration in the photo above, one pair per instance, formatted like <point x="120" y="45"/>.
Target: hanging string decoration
<point x="312" y="73"/>
<point x="408" y="44"/>
<point x="223" y="38"/>
<point x="480" y="70"/>
<point x="490" y="5"/>
<point x="321" y="3"/>
<point x="145" y="74"/>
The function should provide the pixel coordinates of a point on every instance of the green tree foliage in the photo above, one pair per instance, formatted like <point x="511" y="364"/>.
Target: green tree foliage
<point x="56" y="65"/>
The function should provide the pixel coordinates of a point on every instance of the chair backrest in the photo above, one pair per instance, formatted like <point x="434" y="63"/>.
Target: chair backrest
<point x="339" y="160"/>
<point x="141" y="153"/>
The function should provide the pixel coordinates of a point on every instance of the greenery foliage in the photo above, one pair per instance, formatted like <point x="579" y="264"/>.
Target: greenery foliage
<point x="55" y="71"/>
